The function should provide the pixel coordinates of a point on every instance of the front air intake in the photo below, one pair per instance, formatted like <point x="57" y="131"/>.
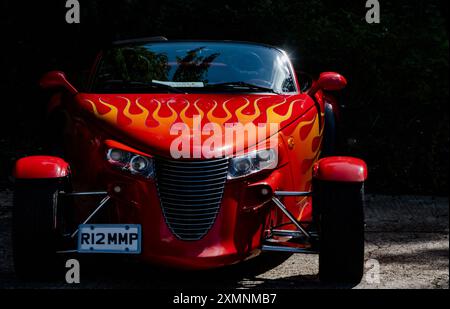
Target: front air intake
<point x="190" y="193"/>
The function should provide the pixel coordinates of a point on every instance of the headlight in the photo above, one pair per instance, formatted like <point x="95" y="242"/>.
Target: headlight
<point x="252" y="163"/>
<point x="131" y="162"/>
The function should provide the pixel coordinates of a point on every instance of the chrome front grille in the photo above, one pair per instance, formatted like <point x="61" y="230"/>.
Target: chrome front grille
<point x="190" y="193"/>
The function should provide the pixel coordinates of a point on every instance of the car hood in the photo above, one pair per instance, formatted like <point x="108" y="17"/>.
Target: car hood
<point x="145" y="120"/>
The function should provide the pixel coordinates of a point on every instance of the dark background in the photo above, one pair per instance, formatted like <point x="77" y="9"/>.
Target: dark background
<point x="396" y="104"/>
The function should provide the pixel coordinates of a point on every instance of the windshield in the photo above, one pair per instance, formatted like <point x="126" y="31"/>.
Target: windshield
<point x="194" y="67"/>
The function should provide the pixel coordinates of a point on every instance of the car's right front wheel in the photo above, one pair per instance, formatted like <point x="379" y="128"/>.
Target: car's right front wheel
<point x="33" y="232"/>
<point x="339" y="214"/>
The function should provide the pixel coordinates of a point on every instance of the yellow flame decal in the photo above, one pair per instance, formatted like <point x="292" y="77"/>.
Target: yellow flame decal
<point x="183" y="116"/>
<point x="137" y="120"/>
<point x="305" y="123"/>
<point x="219" y="120"/>
<point x="142" y="117"/>
<point x="210" y="115"/>
<point x="164" y="121"/>
<point x="305" y="145"/>
<point x="156" y="111"/>
<point x="243" y="118"/>
<point x="200" y="112"/>
<point x="273" y="117"/>
<point x="94" y="107"/>
<point x="110" y="116"/>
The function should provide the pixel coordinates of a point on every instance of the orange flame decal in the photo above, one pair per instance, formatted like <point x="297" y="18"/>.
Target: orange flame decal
<point x="219" y="120"/>
<point x="110" y="116"/>
<point x="243" y="118"/>
<point x="140" y="120"/>
<point x="137" y="120"/>
<point x="164" y="121"/>
<point x="273" y="117"/>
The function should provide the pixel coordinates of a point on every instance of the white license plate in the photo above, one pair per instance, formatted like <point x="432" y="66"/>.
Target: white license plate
<point x="109" y="238"/>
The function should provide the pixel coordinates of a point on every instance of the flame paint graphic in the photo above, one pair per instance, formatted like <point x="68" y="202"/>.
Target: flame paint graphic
<point x="137" y="120"/>
<point x="110" y="116"/>
<point x="308" y="148"/>
<point x="189" y="120"/>
<point x="147" y="115"/>
<point x="163" y="121"/>
<point x="306" y="135"/>
<point x="244" y="118"/>
<point x="219" y="120"/>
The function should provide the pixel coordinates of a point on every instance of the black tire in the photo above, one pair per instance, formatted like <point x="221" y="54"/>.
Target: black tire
<point x="33" y="233"/>
<point x="339" y="214"/>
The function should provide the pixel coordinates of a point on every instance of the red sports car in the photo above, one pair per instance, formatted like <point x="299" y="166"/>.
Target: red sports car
<point x="191" y="154"/>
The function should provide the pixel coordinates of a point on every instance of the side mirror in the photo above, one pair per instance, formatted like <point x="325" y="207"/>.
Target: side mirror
<point x="328" y="81"/>
<point x="331" y="81"/>
<point x="57" y="79"/>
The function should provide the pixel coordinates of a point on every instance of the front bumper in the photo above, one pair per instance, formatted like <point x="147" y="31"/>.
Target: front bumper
<point x="236" y="235"/>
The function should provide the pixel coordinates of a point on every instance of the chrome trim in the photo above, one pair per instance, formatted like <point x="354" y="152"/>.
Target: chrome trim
<point x="192" y="198"/>
<point x="290" y="216"/>
<point x="287" y="249"/>
<point x="191" y="219"/>
<point x="66" y="251"/>
<point x="84" y="193"/>
<point x="191" y="212"/>
<point x="190" y="194"/>
<point x="100" y="206"/>
<point x="205" y="175"/>
<point x="293" y="193"/>
<point x="288" y="233"/>
<point x="182" y="185"/>
<point x="189" y="205"/>
<point x="193" y="227"/>
<point x="199" y="181"/>
<point x="195" y="162"/>
<point x="189" y="170"/>
<point x="193" y="190"/>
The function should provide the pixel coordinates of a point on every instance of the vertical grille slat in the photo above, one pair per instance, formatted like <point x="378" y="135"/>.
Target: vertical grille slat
<point x="190" y="191"/>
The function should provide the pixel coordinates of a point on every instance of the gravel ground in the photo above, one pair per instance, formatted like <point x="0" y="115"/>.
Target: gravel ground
<point x="407" y="246"/>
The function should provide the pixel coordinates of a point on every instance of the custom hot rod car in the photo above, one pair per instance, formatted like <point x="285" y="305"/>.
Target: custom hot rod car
<point x="142" y="162"/>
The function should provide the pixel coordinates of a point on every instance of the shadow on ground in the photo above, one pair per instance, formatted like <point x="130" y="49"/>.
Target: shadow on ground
<point x="407" y="236"/>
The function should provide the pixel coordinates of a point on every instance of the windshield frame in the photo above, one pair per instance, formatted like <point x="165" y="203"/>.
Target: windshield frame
<point x="100" y="58"/>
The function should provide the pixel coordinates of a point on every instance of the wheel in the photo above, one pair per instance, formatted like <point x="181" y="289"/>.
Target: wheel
<point x="339" y="214"/>
<point x="33" y="228"/>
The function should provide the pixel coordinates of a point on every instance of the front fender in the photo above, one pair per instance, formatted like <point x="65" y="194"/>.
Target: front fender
<point x="38" y="167"/>
<point x="340" y="169"/>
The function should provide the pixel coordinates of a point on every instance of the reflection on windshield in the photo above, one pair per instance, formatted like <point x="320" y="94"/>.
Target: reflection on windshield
<point x="190" y="64"/>
<point x="194" y="66"/>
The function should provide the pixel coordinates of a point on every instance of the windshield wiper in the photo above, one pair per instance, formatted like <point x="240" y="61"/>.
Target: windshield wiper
<point x="241" y="85"/>
<point x="132" y="85"/>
